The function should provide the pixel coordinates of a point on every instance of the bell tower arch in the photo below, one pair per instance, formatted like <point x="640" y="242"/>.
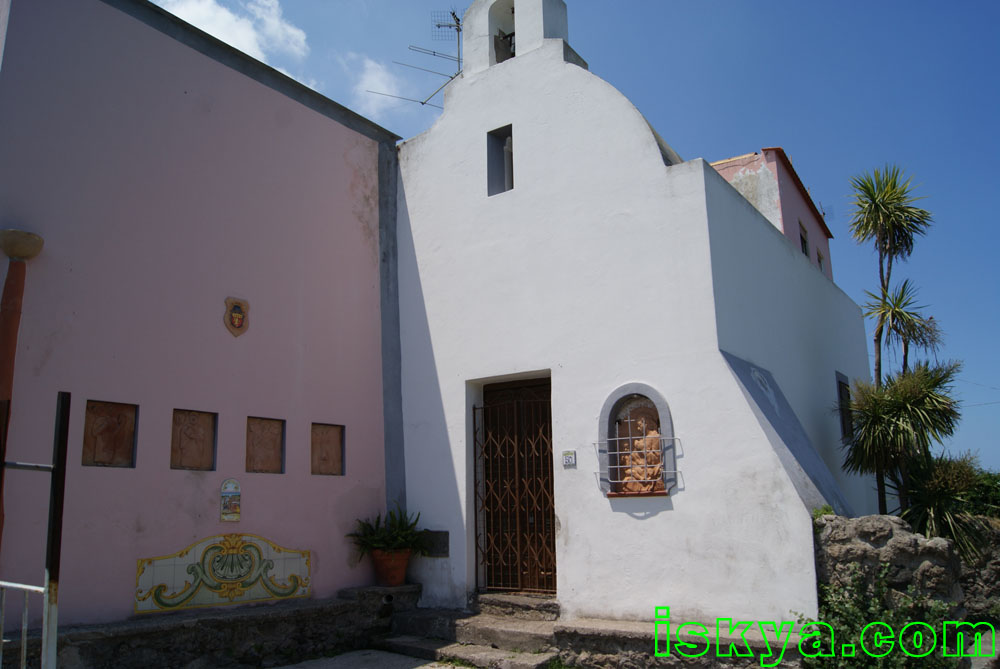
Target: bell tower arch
<point x="497" y="30"/>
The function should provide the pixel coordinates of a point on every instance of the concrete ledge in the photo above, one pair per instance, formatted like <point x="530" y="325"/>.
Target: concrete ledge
<point x="259" y="635"/>
<point x="591" y="642"/>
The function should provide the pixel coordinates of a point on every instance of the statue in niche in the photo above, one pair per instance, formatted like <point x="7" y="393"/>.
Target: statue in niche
<point x="639" y="455"/>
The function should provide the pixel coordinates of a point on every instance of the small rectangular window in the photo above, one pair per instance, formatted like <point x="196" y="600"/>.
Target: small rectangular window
<point x="109" y="430"/>
<point x="192" y="440"/>
<point x="327" y="449"/>
<point x="265" y="445"/>
<point x="820" y="259"/>
<point x="500" y="160"/>
<point x="804" y="239"/>
<point x="844" y="407"/>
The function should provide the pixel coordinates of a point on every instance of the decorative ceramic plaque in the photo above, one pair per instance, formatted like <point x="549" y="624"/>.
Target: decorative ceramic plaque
<point x="237" y="316"/>
<point x="219" y="570"/>
<point x="230" y="501"/>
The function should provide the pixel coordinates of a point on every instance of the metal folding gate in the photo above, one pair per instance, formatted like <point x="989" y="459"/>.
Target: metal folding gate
<point x="515" y="515"/>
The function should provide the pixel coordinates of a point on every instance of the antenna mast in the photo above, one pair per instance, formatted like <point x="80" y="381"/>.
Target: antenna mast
<point x="442" y="23"/>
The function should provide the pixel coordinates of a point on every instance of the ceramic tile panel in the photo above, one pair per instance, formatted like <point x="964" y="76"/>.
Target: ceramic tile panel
<point x="220" y="570"/>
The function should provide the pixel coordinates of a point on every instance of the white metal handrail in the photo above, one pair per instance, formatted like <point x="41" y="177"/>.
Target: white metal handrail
<point x="27" y="589"/>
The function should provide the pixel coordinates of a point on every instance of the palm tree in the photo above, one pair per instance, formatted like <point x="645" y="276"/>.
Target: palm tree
<point x="896" y="423"/>
<point x="902" y="321"/>
<point x="884" y="211"/>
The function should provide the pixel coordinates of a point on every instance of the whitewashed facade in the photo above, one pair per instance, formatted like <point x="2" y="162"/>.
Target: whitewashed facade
<point x="605" y="263"/>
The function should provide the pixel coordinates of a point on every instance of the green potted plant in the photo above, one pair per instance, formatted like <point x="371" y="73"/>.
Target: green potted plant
<point x="390" y="543"/>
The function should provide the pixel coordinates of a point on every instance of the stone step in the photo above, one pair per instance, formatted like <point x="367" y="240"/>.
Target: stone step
<point x="477" y="656"/>
<point x="480" y="629"/>
<point x="526" y="607"/>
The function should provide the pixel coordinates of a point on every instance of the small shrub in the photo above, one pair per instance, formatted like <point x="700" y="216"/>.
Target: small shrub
<point x="399" y="530"/>
<point x="850" y="607"/>
<point x="984" y="498"/>
<point x="939" y="490"/>
<point x="825" y="510"/>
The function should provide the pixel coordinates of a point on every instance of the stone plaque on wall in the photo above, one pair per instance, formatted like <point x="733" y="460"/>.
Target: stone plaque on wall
<point x="192" y="442"/>
<point x="327" y="449"/>
<point x="265" y="445"/>
<point x="109" y="434"/>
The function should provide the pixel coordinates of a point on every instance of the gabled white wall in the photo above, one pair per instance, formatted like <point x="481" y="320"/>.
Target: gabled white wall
<point x="597" y="270"/>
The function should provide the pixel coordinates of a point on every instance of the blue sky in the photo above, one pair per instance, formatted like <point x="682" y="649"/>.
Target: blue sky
<point x="843" y="87"/>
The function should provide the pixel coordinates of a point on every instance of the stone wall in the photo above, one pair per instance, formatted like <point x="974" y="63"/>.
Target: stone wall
<point x="981" y="580"/>
<point x="930" y="565"/>
<point x="248" y="636"/>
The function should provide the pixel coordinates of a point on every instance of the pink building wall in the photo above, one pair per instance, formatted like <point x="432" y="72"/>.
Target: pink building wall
<point x="769" y="181"/>
<point x="164" y="181"/>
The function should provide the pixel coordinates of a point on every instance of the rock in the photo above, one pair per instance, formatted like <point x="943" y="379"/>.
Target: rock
<point x="981" y="581"/>
<point x="931" y="565"/>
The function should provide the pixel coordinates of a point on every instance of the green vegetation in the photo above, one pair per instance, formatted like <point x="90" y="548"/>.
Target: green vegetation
<point x="849" y="609"/>
<point x="895" y="424"/>
<point x="399" y="530"/>
<point x="824" y="510"/>
<point x="902" y="320"/>
<point x="984" y="497"/>
<point x="884" y="213"/>
<point x="939" y="494"/>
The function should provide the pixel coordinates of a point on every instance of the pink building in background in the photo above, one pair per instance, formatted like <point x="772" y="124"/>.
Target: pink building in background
<point x="769" y="182"/>
<point x="168" y="173"/>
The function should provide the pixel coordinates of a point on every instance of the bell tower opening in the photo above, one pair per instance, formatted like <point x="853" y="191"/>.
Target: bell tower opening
<point x="501" y="31"/>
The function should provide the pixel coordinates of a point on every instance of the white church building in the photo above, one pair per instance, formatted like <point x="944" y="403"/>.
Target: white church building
<point x="601" y="374"/>
<point x="619" y="378"/>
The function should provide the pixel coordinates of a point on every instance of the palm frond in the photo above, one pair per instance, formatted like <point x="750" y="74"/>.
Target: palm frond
<point x="885" y="212"/>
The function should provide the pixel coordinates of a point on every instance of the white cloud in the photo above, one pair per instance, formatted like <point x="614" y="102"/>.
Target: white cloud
<point x="370" y="75"/>
<point x="277" y="33"/>
<point x="259" y="29"/>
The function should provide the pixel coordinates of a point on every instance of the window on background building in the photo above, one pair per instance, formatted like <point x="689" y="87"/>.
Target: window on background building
<point x="820" y="260"/>
<point x="192" y="440"/>
<point x="500" y="160"/>
<point x="265" y="445"/>
<point x="844" y="407"/>
<point x="109" y="434"/>
<point x="804" y="239"/>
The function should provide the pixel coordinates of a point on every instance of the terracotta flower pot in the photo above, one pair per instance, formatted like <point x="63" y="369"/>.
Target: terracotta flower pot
<point x="390" y="566"/>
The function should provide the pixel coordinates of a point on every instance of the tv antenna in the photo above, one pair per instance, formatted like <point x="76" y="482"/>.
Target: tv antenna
<point x="442" y="22"/>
